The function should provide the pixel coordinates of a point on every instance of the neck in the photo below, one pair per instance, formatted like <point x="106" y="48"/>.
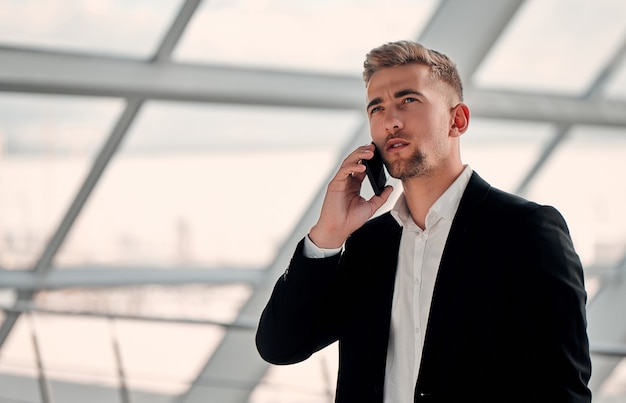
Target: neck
<point x="423" y="191"/>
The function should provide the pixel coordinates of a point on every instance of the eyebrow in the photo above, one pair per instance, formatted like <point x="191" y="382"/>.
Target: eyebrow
<point x="373" y="102"/>
<point x="398" y="94"/>
<point x="407" y="91"/>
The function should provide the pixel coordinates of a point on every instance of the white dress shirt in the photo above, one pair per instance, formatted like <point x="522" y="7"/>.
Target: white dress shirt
<point x="419" y="257"/>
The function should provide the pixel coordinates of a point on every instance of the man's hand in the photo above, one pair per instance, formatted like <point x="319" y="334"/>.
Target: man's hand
<point x="344" y="210"/>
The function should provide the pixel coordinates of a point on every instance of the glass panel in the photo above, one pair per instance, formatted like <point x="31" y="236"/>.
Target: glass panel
<point x="593" y="284"/>
<point x="165" y="357"/>
<point x="617" y="85"/>
<point x="164" y="127"/>
<point x="584" y="180"/>
<point x="19" y="389"/>
<point x="193" y="302"/>
<point x="502" y="152"/>
<point x="47" y="144"/>
<point x="310" y="381"/>
<point x="18" y="365"/>
<point x="555" y="46"/>
<point x="134" y="28"/>
<point x="7" y="297"/>
<point x="76" y="349"/>
<point x="306" y="35"/>
<point x="159" y="358"/>
<point x="614" y="387"/>
<point x="228" y="193"/>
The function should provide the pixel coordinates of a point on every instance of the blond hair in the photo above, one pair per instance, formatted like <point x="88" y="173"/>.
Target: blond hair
<point x="406" y="52"/>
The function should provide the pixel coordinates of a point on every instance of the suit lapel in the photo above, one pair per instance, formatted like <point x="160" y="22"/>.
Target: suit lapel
<point x="375" y="284"/>
<point x="384" y="286"/>
<point x="456" y="251"/>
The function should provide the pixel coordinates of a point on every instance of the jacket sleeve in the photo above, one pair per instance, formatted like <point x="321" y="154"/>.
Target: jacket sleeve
<point x="558" y="326"/>
<point x="301" y="316"/>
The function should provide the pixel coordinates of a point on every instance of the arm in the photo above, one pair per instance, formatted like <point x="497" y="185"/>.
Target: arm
<point x="344" y="210"/>
<point x="558" y="328"/>
<point x="304" y="311"/>
<point x="299" y="318"/>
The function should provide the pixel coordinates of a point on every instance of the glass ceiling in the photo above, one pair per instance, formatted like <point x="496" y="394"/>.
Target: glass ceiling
<point x="47" y="144"/>
<point x="587" y="167"/>
<point x="115" y="27"/>
<point x="324" y="35"/>
<point x="153" y="292"/>
<point x="539" y="52"/>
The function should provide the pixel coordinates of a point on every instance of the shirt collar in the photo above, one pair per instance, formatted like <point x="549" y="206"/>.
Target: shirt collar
<point x="445" y="206"/>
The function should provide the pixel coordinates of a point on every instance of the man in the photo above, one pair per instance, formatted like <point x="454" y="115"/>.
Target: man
<point x="461" y="293"/>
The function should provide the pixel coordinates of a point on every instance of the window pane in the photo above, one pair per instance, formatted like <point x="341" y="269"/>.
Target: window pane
<point x="555" y="46"/>
<point x="193" y="302"/>
<point x="18" y="365"/>
<point x="207" y="185"/>
<point x="305" y="35"/>
<point x="617" y="85"/>
<point x="311" y="381"/>
<point x="502" y="152"/>
<point x="47" y="145"/>
<point x="583" y="179"/>
<point x="133" y="28"/>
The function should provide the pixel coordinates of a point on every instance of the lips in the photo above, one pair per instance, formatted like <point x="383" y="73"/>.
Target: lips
<point x="395" y="144"/>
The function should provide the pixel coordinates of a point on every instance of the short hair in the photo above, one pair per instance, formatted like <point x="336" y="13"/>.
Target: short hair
<point x="406" y="52"/>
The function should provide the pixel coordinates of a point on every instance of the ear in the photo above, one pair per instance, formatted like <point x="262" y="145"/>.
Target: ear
<point x="460" y="119"/>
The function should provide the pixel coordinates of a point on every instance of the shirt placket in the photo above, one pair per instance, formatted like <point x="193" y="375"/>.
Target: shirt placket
<point x="419" y="250"/>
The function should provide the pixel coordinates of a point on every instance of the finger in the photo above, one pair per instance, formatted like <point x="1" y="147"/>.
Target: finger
<point x="351" y="168"/>
<point x="377" y="202"/>
<point x="362" y="152"/>
<point x="367" y="151"/>
<point x="357" y="156"/>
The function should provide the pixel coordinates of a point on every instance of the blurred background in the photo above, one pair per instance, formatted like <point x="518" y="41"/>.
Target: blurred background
<point x="159" y="160"/>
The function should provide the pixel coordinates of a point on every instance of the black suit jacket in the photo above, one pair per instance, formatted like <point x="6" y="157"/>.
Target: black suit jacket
<point x="507" y="320"/>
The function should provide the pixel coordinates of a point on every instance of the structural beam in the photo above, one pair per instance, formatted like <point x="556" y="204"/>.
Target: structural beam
<point x="545" y="108"/>
<point x="48" y="73"/>
<point x="60" y="278"/>
<point x="467" y="30"/>
<point x="30" y="307"/>
<point x="53" y="73"/>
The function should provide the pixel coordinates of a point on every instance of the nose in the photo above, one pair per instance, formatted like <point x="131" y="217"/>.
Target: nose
<point x="393" y="122"/>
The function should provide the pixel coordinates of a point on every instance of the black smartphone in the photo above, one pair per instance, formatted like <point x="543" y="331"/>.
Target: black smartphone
<point x="376" y="172"/>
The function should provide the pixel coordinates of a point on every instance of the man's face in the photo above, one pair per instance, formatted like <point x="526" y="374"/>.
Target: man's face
<point x="410" y="120"/>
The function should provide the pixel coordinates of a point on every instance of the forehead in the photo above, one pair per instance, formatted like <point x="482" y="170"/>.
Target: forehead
<point x="390" y="79"/>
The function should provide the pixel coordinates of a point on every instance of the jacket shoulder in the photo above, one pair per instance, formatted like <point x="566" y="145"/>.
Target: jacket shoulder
<point x="377" y="225"/>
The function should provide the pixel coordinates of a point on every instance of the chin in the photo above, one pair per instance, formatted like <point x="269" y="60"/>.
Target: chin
<point x="407" y="169"/>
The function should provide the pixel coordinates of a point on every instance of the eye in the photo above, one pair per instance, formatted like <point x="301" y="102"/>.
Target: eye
<point x="375" y="109"/>
<point x="409" y="100"/>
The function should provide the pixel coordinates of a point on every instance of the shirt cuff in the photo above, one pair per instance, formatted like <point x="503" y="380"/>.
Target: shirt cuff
<point x="313" y="251"/>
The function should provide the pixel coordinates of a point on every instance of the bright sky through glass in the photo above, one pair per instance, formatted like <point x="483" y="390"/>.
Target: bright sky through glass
<point x="305" y="35"/>
<point x="117" y="27"/>
<point x="555" y="46"/>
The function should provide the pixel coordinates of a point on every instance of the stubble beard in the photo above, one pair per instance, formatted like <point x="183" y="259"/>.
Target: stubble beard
<point x="408" y="168"/>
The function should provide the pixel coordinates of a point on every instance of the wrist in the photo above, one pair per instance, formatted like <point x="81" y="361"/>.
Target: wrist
<point x="326" y="239"/>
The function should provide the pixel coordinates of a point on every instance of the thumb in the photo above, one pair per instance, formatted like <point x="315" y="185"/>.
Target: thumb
<point x="377" y="202"/>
